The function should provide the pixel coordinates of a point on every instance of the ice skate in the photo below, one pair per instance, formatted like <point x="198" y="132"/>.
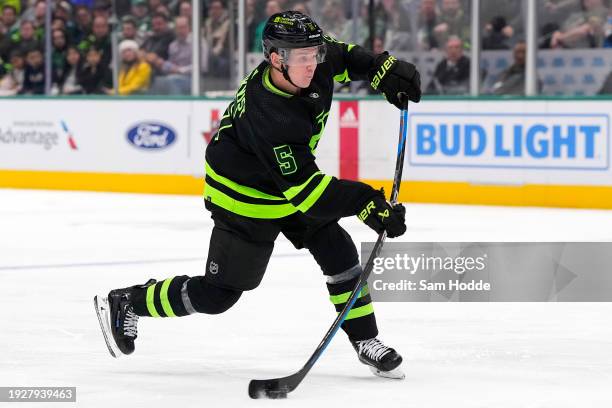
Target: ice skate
<point x="118" y="320"/>
<point x="382" y="360"/>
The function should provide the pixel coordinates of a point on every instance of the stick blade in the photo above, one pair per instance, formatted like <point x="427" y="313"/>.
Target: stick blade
<point x="275" y="388"/>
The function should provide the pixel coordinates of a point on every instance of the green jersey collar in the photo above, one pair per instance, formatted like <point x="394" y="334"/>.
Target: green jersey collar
<point x="267" y="83"/>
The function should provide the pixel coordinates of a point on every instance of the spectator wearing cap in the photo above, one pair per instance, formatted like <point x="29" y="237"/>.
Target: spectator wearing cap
<point x="452" y="74"/>
<point x="99" y="38"/>
<point x="156" y="46"/>
<point x="12" y="81"/>
<point x="129" y="30"/>
<point x="34" y="74"/>
<point x="176" y="70"/>
<point x="94" y="77"/>
<point x="16" y="4"/>
<point x="140" y="12"/>
<point x="134" y="73"/>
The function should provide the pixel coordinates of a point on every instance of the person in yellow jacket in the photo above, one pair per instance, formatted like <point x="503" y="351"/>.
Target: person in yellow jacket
<point x="135" y="73"/>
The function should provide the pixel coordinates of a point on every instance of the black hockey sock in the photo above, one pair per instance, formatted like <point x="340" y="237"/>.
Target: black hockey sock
<point x="182" y="296"/>
<point x="360" y="323"/>
<point x="161" y="300"/>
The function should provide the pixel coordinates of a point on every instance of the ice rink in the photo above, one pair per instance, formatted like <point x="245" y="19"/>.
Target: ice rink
<point x="59" y="249"/>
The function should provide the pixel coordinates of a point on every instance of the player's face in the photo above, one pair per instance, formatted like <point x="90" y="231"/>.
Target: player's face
<point x="302" y="65"/>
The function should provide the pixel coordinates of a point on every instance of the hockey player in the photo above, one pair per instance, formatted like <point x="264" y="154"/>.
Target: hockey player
<point x="262" y="180"/>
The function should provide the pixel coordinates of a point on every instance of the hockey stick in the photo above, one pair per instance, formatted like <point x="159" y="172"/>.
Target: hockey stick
<point x="279" y="387"/>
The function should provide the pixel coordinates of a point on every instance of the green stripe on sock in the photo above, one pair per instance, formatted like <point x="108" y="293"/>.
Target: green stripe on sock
<point x="343" y="297"/>
<point x="360" y="312"/>
<point x="150" y="305"/>
<point x="164" y="298"/>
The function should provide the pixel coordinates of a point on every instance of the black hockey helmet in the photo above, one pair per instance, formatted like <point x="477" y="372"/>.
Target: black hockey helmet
<point x="290" y="30"/>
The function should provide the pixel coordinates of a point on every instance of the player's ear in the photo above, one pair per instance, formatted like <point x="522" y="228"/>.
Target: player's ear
<point x="275" y="60"/>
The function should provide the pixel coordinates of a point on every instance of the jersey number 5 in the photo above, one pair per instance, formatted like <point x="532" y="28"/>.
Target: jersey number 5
<point x="285" y="159"/>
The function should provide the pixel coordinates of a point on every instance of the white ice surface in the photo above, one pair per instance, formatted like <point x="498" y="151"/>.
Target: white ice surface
<point x="58" y="249"/>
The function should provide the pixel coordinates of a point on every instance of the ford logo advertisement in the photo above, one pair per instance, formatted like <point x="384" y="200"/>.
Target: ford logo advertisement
<point x="151" y="136"/>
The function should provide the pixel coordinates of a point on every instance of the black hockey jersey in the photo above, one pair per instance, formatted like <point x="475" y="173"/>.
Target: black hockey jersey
<point x="261" y="161"/>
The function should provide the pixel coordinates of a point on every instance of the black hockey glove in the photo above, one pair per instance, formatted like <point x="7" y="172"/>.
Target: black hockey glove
<point x="380" y="216"/>
<point x="394" y="77"/>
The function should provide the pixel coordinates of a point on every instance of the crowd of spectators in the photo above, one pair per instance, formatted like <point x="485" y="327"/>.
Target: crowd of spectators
<point x="155" y="38"/>
<point x="154" y="46"/>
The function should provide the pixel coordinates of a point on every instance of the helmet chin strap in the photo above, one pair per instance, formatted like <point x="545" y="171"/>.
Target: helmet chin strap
<point x="285" y="71"/>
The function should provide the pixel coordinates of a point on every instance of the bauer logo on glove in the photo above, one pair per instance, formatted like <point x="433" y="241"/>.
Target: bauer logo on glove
<point x="395" y="78"/>
<point x="381" y="216"/>
<point x="382" y="71"/>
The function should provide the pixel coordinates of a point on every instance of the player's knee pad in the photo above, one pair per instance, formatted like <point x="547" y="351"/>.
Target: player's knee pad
<point x="201" y="296"/>
<point x="234" y="262"/>
<point x="333" y="249"/>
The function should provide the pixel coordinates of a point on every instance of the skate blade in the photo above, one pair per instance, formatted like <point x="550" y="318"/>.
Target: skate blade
<point x="395" y="374"/>
<point x="103" y="313"/>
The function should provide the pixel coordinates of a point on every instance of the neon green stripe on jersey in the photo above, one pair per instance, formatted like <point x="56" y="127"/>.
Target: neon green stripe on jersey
<point x="266" y="211"/>
<point x="360" y="312"/>
<point x="295" y="190"/>
<point x="247" y="191"/>
<point x="343" y="77"/>
<point x="315" y="195"/>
